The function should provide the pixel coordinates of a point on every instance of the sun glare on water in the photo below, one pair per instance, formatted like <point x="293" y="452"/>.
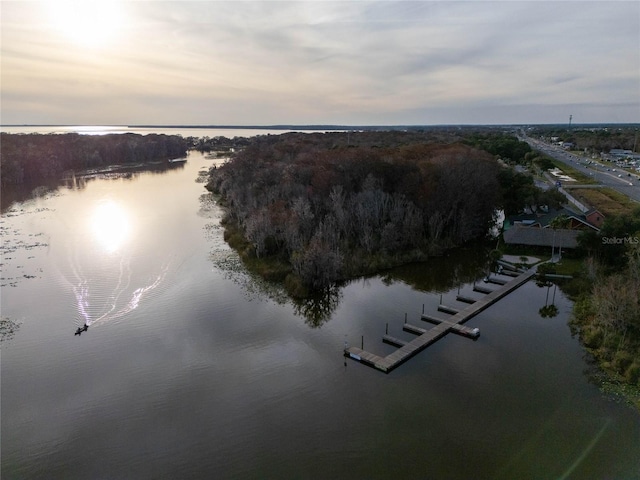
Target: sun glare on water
<point x="87" y="23"/>
<point x="110" y="225"/>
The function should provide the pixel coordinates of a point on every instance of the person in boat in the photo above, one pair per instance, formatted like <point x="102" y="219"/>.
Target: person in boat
<point x="84" y="328"/>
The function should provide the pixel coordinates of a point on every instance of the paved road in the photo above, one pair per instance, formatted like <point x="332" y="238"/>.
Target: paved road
<point x="596" y="170"/>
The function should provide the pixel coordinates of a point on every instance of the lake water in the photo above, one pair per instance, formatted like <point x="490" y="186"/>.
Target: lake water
<point x="184" y="131"/>
<point x="191" y="368"/>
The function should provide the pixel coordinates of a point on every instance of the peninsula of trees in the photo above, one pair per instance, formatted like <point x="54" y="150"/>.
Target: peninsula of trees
<point x="35" y="158"/>
<point x="313" y="209"/>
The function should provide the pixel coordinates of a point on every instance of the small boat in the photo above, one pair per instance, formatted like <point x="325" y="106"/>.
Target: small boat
<point x="84" y="328"/>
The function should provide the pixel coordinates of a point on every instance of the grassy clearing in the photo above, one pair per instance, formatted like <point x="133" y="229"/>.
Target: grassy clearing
<point x="569" y="266"/>
<point x="606" y="200"/>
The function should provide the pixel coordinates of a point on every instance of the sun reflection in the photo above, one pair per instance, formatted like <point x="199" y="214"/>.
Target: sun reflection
<point x="110" y="225"/>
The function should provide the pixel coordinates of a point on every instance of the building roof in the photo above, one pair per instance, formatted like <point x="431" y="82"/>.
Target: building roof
<point x="542" y="237"/>
<point x="543" y="220"/>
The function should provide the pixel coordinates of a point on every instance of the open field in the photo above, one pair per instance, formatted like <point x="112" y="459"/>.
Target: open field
<point x="606" y="200"/>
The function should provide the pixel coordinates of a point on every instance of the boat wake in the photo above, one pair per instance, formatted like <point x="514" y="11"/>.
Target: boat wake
<point x="112" y="292"/>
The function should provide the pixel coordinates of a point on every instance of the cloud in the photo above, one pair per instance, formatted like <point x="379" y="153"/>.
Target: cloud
<point x="333" y="62"/>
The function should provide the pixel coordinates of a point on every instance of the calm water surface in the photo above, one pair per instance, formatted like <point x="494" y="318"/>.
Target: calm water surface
<point x="191" y="369"/>
<point x="184" y="131"/>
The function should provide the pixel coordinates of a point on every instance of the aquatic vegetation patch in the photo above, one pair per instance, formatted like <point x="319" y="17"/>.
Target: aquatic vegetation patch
<point x="616" y="389"/>
<point x="8" y="328"/>
<point x="16" y="261"/>
<point x="253" y="285"/>
<point x="203" y="176"/>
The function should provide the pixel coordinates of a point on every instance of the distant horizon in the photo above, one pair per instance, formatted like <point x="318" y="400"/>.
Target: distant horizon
<point x="285" y="126"/>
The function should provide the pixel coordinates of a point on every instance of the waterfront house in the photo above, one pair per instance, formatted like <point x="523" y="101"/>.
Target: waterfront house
<point x="535" y="229"/>
<point x="591" y="220"/>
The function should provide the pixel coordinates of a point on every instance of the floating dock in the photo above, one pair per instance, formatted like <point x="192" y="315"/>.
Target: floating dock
<point x="509" y="273"/>
<point x="511" y="267"/>
<point x="481" y="289"/>
<point x="448" y="309"/>
<point x="426" y="337"/>
<point x="463" y="299"/>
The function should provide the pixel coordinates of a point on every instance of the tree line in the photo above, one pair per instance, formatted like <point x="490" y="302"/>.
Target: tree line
<point x="331" y="210"/>
<point x="503" y="145"/>
<point x="34" y="158"/>
<point x="594" y="138"/>
<point x="607" y="310"/>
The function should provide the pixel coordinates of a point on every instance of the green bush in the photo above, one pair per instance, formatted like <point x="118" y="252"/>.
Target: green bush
<point x="632" y="374"/>
<point x="592" y="336"/>
<point x="546" y="268"/>
<point x="622" y="360"/>
<point x="575" y="287"/>
<point x="611" y="341"/>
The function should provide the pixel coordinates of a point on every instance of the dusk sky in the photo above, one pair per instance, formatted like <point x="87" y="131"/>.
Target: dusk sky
<point x="319" y="62"/>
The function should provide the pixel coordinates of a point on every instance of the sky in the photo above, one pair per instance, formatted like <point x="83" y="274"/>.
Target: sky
<point x="354" y="62"/>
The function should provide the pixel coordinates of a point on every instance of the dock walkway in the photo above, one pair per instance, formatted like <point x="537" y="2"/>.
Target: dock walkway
<point x="428" y="336"/>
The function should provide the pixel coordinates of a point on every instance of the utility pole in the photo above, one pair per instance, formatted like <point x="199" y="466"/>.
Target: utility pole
<point x="570" y="117"/>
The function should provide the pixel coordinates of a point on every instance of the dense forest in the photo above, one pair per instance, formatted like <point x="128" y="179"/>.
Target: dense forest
<point x="326" y="209"/>
<point x="33" y="158"/>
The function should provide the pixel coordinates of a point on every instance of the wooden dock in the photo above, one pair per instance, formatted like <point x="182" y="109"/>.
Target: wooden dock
<point x="426" y="337"/>
<point x="455" y="327"/>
